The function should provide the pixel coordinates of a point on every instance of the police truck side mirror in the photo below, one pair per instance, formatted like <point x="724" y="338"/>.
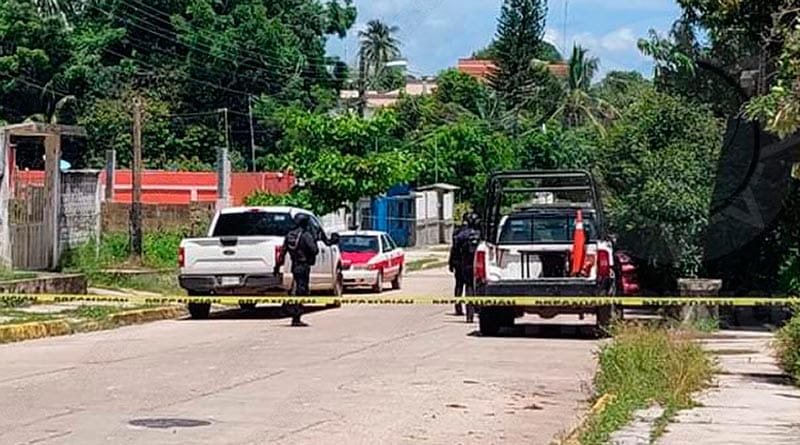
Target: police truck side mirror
<point x="335" y="238"/>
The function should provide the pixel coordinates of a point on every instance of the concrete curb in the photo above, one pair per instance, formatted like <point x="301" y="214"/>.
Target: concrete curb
<point x="574" y="435"/>
<point x="54" y="328"/>
<point x="30" y="331"/>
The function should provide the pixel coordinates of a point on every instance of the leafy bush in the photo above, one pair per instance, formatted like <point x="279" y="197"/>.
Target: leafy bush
<point x="658" y="166"/>
<point x="645" y="366"/>
<point x="787" y="347"/>
<point x="159" y="251"/>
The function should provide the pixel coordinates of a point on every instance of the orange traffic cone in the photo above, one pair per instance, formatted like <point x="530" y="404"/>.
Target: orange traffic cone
<point x="578" y="246"/>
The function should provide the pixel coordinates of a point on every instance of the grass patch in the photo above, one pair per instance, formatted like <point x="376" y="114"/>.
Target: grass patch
<point x="413" y="266"/>
<point x="160" y="283"/>
<point x="10" y="275"/>
<point x="787" y="348"/>
<point x="160" y="251"/>
<point x="642" y="366"/>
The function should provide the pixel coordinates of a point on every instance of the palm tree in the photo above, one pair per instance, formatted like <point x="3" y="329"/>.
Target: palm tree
<point x="580" y="103"/>
<point x="378" y="46"/>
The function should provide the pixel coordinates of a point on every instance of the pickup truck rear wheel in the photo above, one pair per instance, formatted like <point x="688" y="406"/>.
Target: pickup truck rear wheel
<point x="491" y="319"/>
<point x="338" y="288"/>
<point x="199" y="311"/>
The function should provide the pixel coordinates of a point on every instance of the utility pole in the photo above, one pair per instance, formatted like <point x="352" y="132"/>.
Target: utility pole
<point x="136" y="180"/>
<point x="223" y="167"/>
<point x="227" y="141"/>
<point x="362" y="84"/>
<point x="252" y="135"/>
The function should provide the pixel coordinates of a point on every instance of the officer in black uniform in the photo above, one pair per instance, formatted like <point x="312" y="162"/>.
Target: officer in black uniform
<point x="465" y="245"/>
<point x="452" y="264"/>
<point x="301" y="245"/>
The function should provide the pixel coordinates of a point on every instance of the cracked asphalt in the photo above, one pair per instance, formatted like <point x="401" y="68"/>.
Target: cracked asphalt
<point x="357" y="375"/>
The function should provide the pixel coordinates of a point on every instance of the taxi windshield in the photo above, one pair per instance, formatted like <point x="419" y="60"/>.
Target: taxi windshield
<point x="358" y="243"/>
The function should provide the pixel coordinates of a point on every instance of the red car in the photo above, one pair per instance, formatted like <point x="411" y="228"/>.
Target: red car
<point x="371" y="259"/>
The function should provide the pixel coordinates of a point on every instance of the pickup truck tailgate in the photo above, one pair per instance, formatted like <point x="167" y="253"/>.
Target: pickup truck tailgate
<point x="230" y="255"/>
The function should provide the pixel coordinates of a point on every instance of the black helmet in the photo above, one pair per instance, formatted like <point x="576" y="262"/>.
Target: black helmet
<point x="473" y="220"/>
<point x="301" y="220"/>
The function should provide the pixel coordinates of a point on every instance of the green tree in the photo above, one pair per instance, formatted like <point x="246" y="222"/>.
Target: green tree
<point x="378" y="45"/>
<point x="463" y="153"/>
<point x="579" y="103"/>
<point x="655" y="164"/>
<point x="620" y="88"/>
<point x="34" y="50"/>
<point x="343" y="158"/>
<point x="547" y="52"/>
<point x="520" y="31"/>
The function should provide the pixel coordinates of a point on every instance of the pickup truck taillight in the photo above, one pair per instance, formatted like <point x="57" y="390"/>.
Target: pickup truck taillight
<point x="603" y="264"/>
<point x="277" y="254"/>
<point x="479" y="268"/>
<point x="181" y="257"/>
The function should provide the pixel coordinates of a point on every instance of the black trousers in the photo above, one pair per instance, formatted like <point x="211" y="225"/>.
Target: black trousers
<point x="464" y="283"/>
<point x="301" y="275"/>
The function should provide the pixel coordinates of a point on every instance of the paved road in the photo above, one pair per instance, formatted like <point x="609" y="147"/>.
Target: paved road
<point x="358" y="375"/>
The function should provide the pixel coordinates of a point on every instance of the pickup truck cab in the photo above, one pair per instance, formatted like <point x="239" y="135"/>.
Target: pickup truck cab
<point x="528" y="249"/>
<point x="239" y="255"/>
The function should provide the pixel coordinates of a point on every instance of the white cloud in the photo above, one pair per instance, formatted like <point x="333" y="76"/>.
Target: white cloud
<point x="621" y="39"/>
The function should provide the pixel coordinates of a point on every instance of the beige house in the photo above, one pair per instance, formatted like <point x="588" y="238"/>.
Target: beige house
<point x="377" y="100"/>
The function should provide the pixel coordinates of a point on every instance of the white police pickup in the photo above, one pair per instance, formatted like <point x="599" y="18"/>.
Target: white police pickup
<point x="528" y="249"/>
<point x="239" y="255"/>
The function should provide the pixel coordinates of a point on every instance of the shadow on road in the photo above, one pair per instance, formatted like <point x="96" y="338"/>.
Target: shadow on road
<point x="549" y="331"/>
<point x="259" y="313"/>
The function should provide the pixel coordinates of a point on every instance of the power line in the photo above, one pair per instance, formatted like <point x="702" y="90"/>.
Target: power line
<point x="135" y="44"/>
<point x="153" y="29"/>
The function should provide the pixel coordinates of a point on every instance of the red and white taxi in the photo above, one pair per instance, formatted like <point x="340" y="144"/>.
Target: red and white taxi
<point x="371" y="258"/>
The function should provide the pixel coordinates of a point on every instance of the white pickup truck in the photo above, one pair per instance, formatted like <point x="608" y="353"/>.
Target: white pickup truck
<point x="528" y="247"/>
<point x="238" y="257"/>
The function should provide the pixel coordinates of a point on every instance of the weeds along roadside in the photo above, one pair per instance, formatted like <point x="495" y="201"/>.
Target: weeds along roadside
<point x="787" y="347"/>
<point x="98" y="260"/>
<point x="646" y="365"/>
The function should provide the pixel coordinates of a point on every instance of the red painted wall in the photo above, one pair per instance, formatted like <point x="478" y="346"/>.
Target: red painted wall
<point x="164" y="187"/>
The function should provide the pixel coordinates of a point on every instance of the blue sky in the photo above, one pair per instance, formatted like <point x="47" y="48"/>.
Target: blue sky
<point x="435" y="33"/>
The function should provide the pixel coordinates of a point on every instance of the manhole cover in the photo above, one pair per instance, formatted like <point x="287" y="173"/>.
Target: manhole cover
<point x="169" y="423"/>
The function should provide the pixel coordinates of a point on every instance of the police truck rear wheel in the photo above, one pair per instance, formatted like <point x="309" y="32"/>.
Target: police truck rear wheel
<point x="199" y="311"/>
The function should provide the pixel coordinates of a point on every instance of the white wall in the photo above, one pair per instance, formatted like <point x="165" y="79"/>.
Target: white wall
<point x="432" y="199"/>
<point x="421" y="206"/>
<point x="449" y="202"/>
<point x="335" y="222"/>
<point x="5" y="234"/>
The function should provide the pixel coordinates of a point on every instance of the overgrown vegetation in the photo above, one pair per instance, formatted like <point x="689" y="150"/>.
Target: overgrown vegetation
<point x="787" y="348"/>
<point x="642" y="366"/>
<point x="99" y="261"/>
<point x="7" y="275"/>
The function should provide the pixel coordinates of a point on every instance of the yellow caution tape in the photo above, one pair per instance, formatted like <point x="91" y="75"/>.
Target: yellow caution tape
<point x="15" y="299"/>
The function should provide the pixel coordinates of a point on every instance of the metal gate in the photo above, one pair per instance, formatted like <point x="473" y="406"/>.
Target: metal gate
<point x="31" y="244"/>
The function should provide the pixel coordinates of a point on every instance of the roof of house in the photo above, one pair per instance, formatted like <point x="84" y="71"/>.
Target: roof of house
<point x="439" y="186"/>
<point x="482" y="68"/>
<point x="376" y="99"/>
